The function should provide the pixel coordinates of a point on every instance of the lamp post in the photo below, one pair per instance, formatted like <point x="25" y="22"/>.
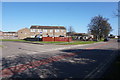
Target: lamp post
<point x="54" y="34"/>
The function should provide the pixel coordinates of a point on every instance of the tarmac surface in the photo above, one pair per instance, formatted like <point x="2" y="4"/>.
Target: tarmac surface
<point x="24" y="60"/>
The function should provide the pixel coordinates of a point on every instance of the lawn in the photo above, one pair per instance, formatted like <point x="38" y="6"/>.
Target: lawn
<point x="79" y="42"/>
<point x="1" y="45"/>
<point x="49" y="42"/>
<point x="56" y="42"/>
<point x="20" y="40"/>
<point x="11" y="40"/>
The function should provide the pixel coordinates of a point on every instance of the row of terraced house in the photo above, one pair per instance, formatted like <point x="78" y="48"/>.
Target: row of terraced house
<point x="35" y="31"/>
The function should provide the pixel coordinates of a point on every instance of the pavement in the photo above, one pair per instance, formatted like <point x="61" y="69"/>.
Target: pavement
<point x="24" y="60"/>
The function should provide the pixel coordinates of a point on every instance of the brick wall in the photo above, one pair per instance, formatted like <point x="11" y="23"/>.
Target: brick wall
<point x="65" y="39"/>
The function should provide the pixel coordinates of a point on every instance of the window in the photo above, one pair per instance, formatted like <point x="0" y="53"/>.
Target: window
<point x="57" y="30"/>
<point x="51" y="30"/>
<point x="62" y="30"/>
<point x="36" y="30"/>
<point x="33" y="36"/>
<point x="39" y="30"/>
<point x="44" y="30"/>
<point x="32" y="30"/>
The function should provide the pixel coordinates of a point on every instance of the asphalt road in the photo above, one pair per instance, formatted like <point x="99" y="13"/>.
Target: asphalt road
<point x="24" y="60"/>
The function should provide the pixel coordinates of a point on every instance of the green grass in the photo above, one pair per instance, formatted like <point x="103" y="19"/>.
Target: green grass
<point x="31" y="41"/>
<point x="56" y="42"/>
<point x="79" y="42"/>
<point x="1" y="46"/>
<point x="48" y="42"/>
<point x="11" y="40"/>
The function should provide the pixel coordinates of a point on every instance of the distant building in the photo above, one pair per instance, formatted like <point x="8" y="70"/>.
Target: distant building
<point x="1" y="35"/>
<point x="9" y="35"/>
<point x="24" y="33"/>
<point x="42" y="31"/>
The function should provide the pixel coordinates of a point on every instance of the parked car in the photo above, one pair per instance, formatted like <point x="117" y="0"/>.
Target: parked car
<point x="95" y="40"/>
<point x="106" y="39"/>
<point x="118" y="40"/>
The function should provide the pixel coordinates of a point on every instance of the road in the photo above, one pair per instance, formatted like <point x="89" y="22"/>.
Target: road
<point x="24" y="60"/>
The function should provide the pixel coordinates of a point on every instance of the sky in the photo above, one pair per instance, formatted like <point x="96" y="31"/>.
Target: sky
<point x="17" y="15"/>
<point x="59" y="0"/>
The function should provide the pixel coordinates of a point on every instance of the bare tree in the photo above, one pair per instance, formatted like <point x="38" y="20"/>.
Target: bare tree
<point x="99" y="27"/>
<point x="71" y="31"/>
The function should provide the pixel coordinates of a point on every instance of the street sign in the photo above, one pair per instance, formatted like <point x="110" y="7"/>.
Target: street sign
<point x="40" y="32"/>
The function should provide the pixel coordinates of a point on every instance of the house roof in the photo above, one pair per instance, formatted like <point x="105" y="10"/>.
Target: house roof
<point x="9" y="32"/>
<point x="47" y="27"/>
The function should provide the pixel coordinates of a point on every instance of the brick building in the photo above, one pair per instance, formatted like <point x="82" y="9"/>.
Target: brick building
<point x="24" y="33"/>
<point x="1" y="33"/>
<point x="9" y="35"/>
<point x="42" y="31"/>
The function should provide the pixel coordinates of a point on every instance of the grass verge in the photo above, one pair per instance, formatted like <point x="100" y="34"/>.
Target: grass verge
<point x="1" y="46"/>
<point x="56" y="42"/>
<point x="11" y="40"/>
<point x="49" y="42"/>
<point x="79" y="42"/>
<point x="20" y="40"/>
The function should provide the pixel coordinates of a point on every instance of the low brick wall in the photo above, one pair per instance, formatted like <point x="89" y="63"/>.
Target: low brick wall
<point x="65" y="39"/>
<point x="47" y="38"/>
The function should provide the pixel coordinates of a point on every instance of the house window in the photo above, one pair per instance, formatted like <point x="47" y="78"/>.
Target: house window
<point x="33" y="36"/>
<point x="39" y="30"/>
<point x="32" y="30"/>
<point x="44" y="30"/>
<point x="62" y="30"/>
<point x="51" y="30"/>
<point x="57" y="30"/>
<point x="36" y="30"/>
